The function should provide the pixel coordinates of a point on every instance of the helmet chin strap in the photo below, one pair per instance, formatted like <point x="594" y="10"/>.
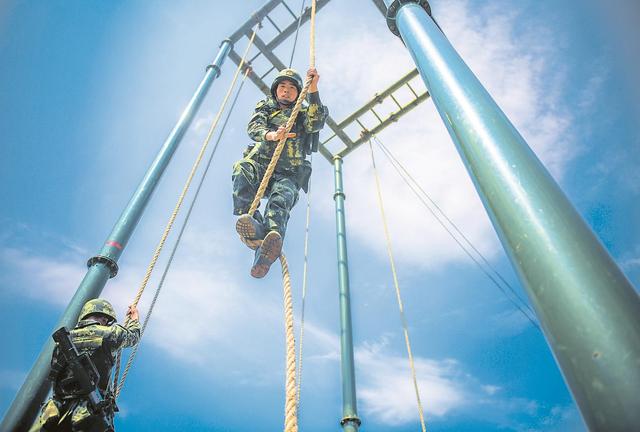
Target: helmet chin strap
<point x="286" y="103"/>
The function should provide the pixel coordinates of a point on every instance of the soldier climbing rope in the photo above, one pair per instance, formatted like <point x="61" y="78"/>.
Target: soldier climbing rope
<point x="270" y="247"/>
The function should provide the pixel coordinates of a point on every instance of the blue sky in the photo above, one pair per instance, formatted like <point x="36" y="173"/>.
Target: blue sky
<point x="89" y="91"/>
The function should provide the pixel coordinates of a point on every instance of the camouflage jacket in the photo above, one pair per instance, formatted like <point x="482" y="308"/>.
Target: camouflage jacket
<point x="268" y="116"/>
<point x="101" y="343"/>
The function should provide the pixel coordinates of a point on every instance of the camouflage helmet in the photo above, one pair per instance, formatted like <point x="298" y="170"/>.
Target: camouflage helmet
<point x="97" y="306"/>
<point x="287" y="75"/>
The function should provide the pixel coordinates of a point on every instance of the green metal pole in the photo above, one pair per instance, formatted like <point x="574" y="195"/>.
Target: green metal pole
<point x="350" y="421"/>
<point x="103" y="266"/>
<point x="589" y="311"/>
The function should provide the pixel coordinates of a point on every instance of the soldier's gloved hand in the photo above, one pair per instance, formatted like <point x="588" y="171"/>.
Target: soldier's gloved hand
<point x="315" y="77"/>
<point x="132" y="313"/>
<point x="279" y="134"/>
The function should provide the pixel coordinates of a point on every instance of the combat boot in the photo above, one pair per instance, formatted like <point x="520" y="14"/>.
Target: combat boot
<point x="266" y="254"/>
<point x="250" y="230"/>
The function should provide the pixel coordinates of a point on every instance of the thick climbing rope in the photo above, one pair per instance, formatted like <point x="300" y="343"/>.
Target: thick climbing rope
<point x="134" y="350"/>
<point x="174" y="214"/>
<point x="306" y="234"/>
<point x="397" y="287"/>
<point x="441" y="217"/>
<point x="291" y="400"/>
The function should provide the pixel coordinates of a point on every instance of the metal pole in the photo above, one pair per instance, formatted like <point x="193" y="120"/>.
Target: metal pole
<point x="103" y="266"/>
<point x="589" y="311"/>
<point x="350" y="421"/>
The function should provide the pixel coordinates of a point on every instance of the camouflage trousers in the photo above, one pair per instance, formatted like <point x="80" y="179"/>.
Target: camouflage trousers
<point x="70" y="415"/>
<point x="281" y="193"/>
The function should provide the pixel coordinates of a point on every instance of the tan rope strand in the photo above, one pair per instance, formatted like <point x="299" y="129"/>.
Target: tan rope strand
<point x="291" y="400"/>
<point x="312" y="36"/>
<point x="397" y="287"/>
<point x="183" y="194"/>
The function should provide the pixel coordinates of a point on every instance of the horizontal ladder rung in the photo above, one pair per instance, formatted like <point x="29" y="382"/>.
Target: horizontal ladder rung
<point x="267" y="72"/>
<point x="375" y="114"/>
<point x="396" y="101"/>
<point x="284" y="3"/>
<point x="412" y="90"/>
<point x="273" y="23"/>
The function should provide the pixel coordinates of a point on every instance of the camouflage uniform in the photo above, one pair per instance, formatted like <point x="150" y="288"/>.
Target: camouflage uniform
<point x="292" y="170"/>
<point x="68" y="410"/>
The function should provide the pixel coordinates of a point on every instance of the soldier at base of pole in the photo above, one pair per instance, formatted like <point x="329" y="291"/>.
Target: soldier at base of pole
<point x="95" y="340"/>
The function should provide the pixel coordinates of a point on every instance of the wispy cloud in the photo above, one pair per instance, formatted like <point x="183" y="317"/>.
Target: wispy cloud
<point x="631" y="263"/>
<point x="387" y="392"/>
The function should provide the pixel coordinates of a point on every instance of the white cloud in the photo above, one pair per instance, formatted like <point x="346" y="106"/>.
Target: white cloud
<point x="520" y="71"/>
<point x="52" y="279"/>
<point x="491" y="389"/>
<point x="205" y="316"/>
<point x="387" y="392"/>
<point x="630" y="263"/>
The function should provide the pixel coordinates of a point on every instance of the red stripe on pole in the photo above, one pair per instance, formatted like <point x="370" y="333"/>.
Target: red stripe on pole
<point x="115" y="244"/>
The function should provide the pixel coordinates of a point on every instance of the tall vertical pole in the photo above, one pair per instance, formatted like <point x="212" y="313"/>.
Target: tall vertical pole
<point x="589" y="311"/>
<point x="103" y="266"/>
<point x="350" y="421"/>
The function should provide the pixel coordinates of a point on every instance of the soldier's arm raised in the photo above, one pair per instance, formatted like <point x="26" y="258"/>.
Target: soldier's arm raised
<point x="124" y="337"/>
<point x="316" y="113"/>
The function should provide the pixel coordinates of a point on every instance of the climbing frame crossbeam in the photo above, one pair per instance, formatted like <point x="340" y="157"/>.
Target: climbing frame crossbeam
<point x="390" y="94"/>
<point x="266" y="49"/>
<point x="271" y="14"/>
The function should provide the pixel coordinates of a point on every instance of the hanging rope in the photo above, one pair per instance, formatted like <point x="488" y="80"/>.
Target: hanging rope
<point x="295" y="39"/>
<point x="174" y="214"/>
<point x="134" y="350"/>
<point x="418" y="191"/>
<point x="304" y="282"/>
<point x="397" y="287"/>
<point x="291" y="400"/>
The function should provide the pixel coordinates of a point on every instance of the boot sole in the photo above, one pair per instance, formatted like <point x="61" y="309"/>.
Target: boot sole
<point x="247" y="232"/>
<point x="269" y="253"/>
